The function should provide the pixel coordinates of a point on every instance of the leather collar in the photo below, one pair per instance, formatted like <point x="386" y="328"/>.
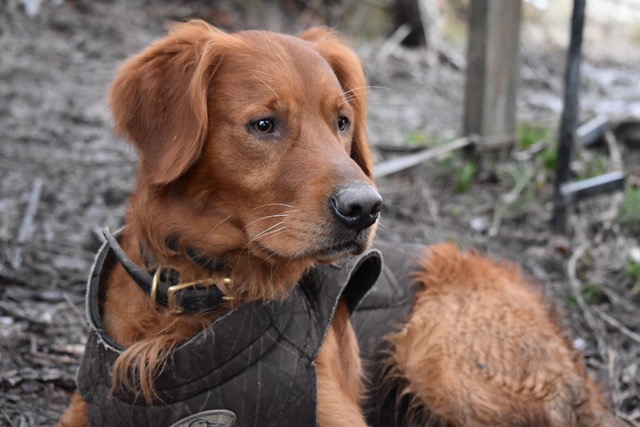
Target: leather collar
<point x="164" y="286"/>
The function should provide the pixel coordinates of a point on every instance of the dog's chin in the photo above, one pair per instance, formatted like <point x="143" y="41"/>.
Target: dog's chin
<point x="326" y="251"/>
<point x="340" y="251"/>
<point x="334" y="251"/>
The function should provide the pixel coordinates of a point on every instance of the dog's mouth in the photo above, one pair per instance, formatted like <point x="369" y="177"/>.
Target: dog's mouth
<point x="325" y="251"/>
<point x="342" y="249"/>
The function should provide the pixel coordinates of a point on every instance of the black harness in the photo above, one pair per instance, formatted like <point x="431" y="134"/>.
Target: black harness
<point x="254" y="366"/>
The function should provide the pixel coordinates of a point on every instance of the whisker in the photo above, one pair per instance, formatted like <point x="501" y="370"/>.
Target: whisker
<point x="270" y="88"/>
<point x="353" y="90"/>
<point x="215" y="227"/>
<point x="270" y="233"/>
<point x="346" y="83"/>
<point x="356" y="92"/>
<point x="262" y="233"/>
<point x="368" y="87"/>
<point x="271" y="204"/>
<point x="267" y="235"/>
<point x="380" y="87"/>
<point x="280" y="215"/>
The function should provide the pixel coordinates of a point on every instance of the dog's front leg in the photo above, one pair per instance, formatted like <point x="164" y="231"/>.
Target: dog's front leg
<point x="339" y="375"/>
<point x="76" y="414"/>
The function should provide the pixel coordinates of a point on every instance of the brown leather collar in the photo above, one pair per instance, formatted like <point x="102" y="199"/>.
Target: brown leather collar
<point x="164" y="285"/>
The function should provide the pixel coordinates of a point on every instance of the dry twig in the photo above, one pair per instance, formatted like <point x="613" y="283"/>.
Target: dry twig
<point x="575" y="285"/>
<point x="405" y="162"/>
<point x="508" y="199"/>
<point x="26" y="228"/>
<point x="618" y="325"/>
<point x="432" y="203"/>
<point x="19" y="315"/>
<point x="393" y="42"/>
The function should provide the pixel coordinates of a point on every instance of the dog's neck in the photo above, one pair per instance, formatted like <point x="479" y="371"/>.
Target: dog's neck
<point x="208" y="263"/>
<point x="166" y="286"/>
<point x="241" y="276"/>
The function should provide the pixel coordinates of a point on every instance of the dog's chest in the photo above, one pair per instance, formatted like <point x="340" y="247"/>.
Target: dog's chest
<point x="253" y="366"/>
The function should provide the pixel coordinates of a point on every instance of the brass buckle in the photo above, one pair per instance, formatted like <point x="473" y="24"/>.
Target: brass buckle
<point x="154" y="284"/>
<point x="172" y="299"/>
<point x="173" y="290"/>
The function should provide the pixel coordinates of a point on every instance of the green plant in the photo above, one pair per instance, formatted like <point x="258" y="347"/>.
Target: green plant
<point x="593" y="165"/>
<point x="427" y="139"/>
<point x="633" y="270"/>
<point x="464" y="177"/>
<point x="529" y="134"/>
<point x="518" y="177"/>
<point x="417" y="138"/>
<point x="629" y="209"/>
<point x="549" y="157"/>
<point x="592" y="294"/>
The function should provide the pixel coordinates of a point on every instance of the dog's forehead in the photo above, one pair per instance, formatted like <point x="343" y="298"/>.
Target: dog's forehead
<point x="276" y="62"/>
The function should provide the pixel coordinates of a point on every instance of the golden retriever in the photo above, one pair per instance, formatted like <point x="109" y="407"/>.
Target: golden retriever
<point x="253" y="158"/>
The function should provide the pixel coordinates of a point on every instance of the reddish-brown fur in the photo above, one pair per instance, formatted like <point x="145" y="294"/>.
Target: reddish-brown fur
<point x="483" y="348"/>
<point x="260" y="204"/>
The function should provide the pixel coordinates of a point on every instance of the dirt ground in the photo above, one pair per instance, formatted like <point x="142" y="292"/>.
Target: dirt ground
<point x="64" y="176"/>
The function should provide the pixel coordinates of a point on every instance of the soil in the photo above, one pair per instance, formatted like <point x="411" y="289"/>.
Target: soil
<point x="65" y="175"/>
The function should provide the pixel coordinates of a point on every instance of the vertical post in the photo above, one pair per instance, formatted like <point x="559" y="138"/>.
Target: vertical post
<point x="492" y="67"/>
<point x="569" y="121"/>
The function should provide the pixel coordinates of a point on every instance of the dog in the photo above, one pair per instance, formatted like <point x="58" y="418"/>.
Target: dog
<point x="245" y="262"/>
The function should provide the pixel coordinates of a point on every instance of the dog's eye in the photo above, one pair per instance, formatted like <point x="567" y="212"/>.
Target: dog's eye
<point x="343" y="124"/>
<point x="263" y="126"/>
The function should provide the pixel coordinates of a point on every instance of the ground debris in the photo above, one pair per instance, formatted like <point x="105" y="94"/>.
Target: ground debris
<point x="56" y="69"/>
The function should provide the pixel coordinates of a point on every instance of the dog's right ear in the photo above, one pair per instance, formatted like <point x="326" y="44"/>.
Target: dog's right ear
<point x="159" y="99"/>
<point x="348" y="69"/>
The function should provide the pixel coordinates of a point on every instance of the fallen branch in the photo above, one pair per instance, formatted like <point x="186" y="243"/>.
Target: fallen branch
<point x="79" y="315"/>
<point x="27" y="226"/>
<point x="615" y="156"/>
<point x="615" y="163"/>
<point x="399" y="164"/>
<point x="393" y="42"/>
<point x="432" y="204"/>
<point x="618" y="325"/>
<point x="628" y="418"/>
<point x="54" y="359"/>
<point x="12" y="279"/>
<point x="587" y="313"/>
<point x="507" y="200"/>
<point x="13" y="312"/>
<point x="481" y="143"/>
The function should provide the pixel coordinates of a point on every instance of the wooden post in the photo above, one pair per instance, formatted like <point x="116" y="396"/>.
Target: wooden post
<point x="492" y="67"/>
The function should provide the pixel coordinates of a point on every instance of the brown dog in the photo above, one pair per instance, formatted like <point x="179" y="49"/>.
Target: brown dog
<point x="254" y="170"/>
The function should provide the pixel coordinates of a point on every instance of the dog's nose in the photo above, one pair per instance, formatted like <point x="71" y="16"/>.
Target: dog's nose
<point x="357" y="205"/>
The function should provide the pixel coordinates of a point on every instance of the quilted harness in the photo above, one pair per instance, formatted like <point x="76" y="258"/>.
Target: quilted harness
<point x="254" y="366"/>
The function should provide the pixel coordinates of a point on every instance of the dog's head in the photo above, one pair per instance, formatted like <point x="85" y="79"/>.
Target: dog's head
<point x="250" y="144"/>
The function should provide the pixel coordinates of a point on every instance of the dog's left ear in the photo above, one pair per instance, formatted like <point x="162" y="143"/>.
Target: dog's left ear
<point x="348" y="68"/>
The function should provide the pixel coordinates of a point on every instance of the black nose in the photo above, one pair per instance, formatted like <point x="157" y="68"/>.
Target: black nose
<point x="357" y="205"/>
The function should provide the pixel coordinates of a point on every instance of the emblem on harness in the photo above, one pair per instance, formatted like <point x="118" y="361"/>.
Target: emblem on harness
<point x="213" y="418"/>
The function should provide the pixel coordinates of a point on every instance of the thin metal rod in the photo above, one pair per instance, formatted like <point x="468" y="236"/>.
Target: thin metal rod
<point x="569" y="121"/>
<point x="601" y="184"/>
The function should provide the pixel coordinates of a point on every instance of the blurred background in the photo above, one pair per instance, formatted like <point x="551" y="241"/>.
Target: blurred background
<point x="64" y="175"/>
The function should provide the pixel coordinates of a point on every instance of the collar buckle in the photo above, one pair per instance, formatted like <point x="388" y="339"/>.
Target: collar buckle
<point x="172" y="291"/>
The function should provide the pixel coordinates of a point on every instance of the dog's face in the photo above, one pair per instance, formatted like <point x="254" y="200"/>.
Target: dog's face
<point x="252" y="142"/>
